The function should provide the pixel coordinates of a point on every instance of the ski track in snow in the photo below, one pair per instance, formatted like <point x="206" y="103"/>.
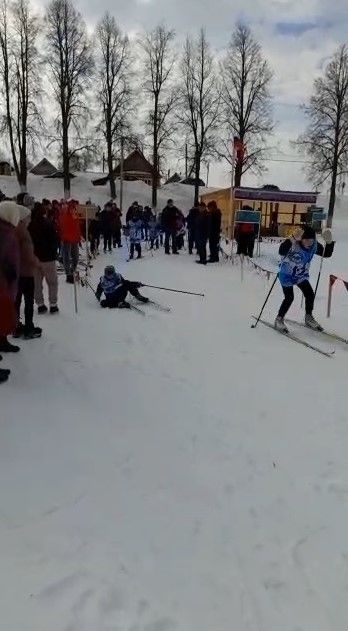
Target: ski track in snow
<point x="178" y="471"/>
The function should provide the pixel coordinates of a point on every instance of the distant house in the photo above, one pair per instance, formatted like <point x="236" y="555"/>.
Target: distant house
<point x="191" y="181"/>
<point x="174" y="179"/>
<point x="44" y="168"/>
<point x="58" y="175"/>
<point x="5" y="168"/>
<point x="135" y="167"/>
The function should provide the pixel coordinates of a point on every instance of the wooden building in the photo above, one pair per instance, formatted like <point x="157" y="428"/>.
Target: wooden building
<point x="5" y="168"/>
<point x="135" y="167"/>
<point x="279" y="209"/>
<point x="44" y="168"/>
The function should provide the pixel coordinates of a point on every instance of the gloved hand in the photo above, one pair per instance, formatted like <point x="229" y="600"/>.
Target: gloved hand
<point x="327" y="236"/>
<point x="139" y="285"/>
<point x="297" y="234"/>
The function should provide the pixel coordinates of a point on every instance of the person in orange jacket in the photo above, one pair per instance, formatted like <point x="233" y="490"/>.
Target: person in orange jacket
<point x="70" y="234"/>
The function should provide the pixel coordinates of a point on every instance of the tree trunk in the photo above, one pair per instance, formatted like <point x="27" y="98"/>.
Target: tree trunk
<point x="110" y="169"/>
<point x="332" y="199"/>
<point x="66" y="162"/>
<point x="238" y="174"/>
<point x="155" y="156"/>
<point x="197" y="176"/>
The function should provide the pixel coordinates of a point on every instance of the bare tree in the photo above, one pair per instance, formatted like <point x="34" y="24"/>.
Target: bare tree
<point x="200" y="105"/>
<point x="246" y="78"/>
<point x="325" y="141"/>
<point x="158" y="68"/>
<point x="70" y="61"/>
<point x="113" y="88"/>
<point x="20" y="71"/>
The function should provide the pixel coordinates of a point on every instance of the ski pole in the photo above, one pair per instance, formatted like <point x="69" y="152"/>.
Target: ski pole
<point x="90" y="286"/>
<point x="319" y="275"/>
<point x="176" y="291"/>
<point x="253" y="326"/>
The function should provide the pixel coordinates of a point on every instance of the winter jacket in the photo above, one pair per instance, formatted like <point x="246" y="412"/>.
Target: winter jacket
<point x="115" y="219"/>
<point x="154" y="228"/>
<point x="28" y="261"/>
<point x="69" y="227"/>
<point x="169" y="218"/>
<point x="202" y="227"/>
<point x="45" y="239"/>
<point x="214" y="224"/>
<point x="9" y="259"/>
<point x="106" y="220"/>
<point x="294" y="267"/>
<point x="135" y="231"/>
<point x="131" y="213"/>
<point x="191" y="219"/>
<point x="109" y="285"/>
<point x="147" y="215"/>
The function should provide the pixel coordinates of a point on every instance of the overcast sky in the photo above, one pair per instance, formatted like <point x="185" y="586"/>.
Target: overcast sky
<point x="297" y="37"/>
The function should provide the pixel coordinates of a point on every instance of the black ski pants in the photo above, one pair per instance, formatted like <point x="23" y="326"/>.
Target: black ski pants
<point x="26" y="290"/>
<point x="191" y="240"/>
<point x="121" y="293"/>
<point x="170" y="235"/>
<point x="107" y="241"/>
<point x="133" y="247"/>
<point x="308" y="293"/>
<point x="116" y="238"/>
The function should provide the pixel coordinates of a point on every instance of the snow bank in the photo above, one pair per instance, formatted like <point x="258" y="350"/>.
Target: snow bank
<point x="83" y="189"/>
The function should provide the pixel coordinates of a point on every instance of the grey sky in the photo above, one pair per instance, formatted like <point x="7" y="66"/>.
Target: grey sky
<point x="297" y="37"/>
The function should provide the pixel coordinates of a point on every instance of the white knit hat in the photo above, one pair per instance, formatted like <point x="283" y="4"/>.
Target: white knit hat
<point x="10" y="212"/>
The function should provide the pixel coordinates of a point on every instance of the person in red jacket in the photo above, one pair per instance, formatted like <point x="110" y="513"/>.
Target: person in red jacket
<point x="9" y="274"/>
<point x="70" y="234"/>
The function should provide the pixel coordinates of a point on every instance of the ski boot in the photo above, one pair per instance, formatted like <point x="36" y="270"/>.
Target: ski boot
<point x="7" y="347"/>
<point x="32" y="333"/>
<point x="280" y="325"/>
<point x="312" y="323"/>
<point x="42" y="309"/>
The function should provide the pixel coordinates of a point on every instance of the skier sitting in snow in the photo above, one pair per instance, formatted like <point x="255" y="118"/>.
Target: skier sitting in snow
<point x="297" y="255"/>
<point x="116" y="288"/>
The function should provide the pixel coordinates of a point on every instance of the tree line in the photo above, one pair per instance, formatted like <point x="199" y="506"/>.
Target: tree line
<point x="85" y="91"/>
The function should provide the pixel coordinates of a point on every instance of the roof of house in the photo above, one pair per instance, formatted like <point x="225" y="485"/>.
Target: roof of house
<point x="268" y="195"/>
<point x="135" y="162"/>
<point x="44" y="167"/>
<point x="174" y="179"/>
<point x="192" y="180"/>
<point x="58" y="174"/>
<point x="273" y="195"/>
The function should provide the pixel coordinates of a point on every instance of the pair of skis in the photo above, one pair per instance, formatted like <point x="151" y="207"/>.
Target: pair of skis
<point x="152" y="303"/>
<point x="292" y="336"/>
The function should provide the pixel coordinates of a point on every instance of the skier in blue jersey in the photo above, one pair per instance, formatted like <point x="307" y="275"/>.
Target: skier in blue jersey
<point x="297" y="254"/>
<point x="115" y="289"/>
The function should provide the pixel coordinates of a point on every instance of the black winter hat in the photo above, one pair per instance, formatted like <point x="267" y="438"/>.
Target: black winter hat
<point x="308" y="233"/>
<point x="109" y="271"/>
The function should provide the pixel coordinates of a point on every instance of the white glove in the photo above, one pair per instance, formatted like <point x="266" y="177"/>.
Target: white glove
<point x="327" y="236"/>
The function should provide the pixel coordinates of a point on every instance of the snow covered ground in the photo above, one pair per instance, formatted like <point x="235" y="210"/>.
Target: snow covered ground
<point x="82" y="189"/>
<point x="179" y="471"/>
